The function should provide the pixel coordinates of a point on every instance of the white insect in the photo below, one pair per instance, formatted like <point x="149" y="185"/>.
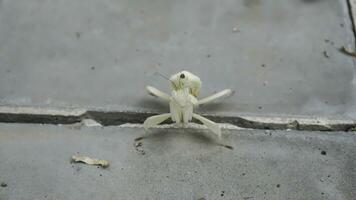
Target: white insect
<point x="185" y="90"/>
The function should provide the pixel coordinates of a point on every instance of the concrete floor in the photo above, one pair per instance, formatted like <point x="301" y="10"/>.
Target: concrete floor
<point x="175" y="164"/>
<point x="284" y="58"/>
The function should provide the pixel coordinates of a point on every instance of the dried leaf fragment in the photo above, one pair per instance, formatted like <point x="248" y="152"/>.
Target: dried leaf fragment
<point x="348" y="51"/>
<point x="90" y="161"/>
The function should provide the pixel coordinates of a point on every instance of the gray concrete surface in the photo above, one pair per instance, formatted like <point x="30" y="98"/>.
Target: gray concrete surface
<point x="176" y="164"/>
<point x="91" y="54"/>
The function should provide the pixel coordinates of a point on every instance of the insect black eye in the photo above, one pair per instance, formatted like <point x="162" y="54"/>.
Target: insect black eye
<point x="182" y="76"/>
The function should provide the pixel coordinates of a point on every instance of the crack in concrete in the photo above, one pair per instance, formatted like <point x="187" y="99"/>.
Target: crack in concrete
<point x="351" y="4"/>
<point x="115" y="118"/>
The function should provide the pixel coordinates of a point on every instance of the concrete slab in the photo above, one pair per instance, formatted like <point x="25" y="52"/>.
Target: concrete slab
<point x="175" y="164"/>
<point x="280" y="56"/>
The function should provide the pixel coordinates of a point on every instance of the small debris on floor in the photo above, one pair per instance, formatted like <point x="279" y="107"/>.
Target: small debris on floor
<point x="235" y="29"/>
<point x="278" y="185"/>
<point x="267" y="132"/>
<point x="228" y="147"/>
<point x="142" y="152"/>
<point x="323" y="153"/>
<point x="222" y="193"/>
<point x="293" y="125"/>
<point x="3" y="184"/>
<point x="329" y="41"/>
<point x="90" y="161"/>
<point x="138" y="144"/>
<point x="348" y="51"/>
<point x="326" y="54"/>
<point x="138" y="139"/>
<point x="139" y="147"/>
<point x="77" y="34"/>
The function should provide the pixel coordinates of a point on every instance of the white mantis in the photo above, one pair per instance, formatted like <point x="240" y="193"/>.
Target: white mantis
<point x="185" y="90"/>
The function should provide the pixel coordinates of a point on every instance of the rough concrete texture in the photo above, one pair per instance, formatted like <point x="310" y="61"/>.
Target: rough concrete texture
<point x="175" y="164"/>
<point x="281" y="56"/>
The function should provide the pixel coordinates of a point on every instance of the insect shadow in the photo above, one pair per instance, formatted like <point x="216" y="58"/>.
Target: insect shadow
<point x="215" y="106"/>
<point x="152" y="104"/>
<point x="163" y="137"/>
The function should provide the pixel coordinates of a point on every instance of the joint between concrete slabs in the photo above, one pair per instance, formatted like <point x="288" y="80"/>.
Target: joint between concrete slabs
<point x="112" y="118"/>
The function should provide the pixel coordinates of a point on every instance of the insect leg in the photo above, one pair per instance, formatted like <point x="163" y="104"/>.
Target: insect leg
<point x="175" y="112"/>
<point x="187" y="113"/>
<point x="214" y="127"/>
<point x="158" y="93"/>
<point x="224" y="93"/>
<point x="154" y="120"/>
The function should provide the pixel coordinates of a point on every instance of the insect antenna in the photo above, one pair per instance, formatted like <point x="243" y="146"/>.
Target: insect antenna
<point x="165" y="77"/>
